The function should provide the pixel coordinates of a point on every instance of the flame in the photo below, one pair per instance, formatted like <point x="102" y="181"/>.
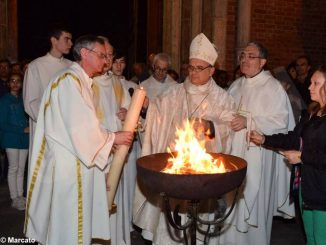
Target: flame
<point x="191" y="156"/>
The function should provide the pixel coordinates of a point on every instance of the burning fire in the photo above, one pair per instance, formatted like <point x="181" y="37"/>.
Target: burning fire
<point x="191" y="156"/>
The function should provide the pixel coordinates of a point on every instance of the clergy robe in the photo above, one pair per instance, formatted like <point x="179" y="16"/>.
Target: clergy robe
<point x="37" y="77"/>
<point x="109" y="97"/>
<point x="155" y="88"/>
<point x="266" y="187"/>
<point x="180" y="102"/>
<point x="66" y="201"/>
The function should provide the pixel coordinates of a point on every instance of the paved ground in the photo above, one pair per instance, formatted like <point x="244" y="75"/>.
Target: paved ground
<point x="11" y="225"/>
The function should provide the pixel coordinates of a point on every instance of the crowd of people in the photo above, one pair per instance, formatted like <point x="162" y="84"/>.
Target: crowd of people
<point x="65" y="119"/>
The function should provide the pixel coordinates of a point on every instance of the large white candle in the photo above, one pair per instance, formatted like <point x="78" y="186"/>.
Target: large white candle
<point x="119" y="156"/>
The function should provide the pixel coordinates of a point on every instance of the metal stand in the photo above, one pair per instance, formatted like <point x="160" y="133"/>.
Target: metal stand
<point x="194" y="221"/>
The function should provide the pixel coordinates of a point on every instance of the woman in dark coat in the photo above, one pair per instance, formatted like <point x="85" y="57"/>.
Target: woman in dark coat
<point x="306" y="145"/>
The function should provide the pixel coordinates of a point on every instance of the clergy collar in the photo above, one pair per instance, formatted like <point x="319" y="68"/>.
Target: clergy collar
<point x="162" y="81"/>
<point x="197" y="89"/>
<point x="257" y="78"/>
<point x="55" y="58"/>
<point x="255" y="75"/>
<point x="105" y="79"/>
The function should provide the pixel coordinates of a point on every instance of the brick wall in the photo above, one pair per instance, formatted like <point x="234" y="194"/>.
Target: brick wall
<point x="287" y="28"/>
<point x="290" y="28"/>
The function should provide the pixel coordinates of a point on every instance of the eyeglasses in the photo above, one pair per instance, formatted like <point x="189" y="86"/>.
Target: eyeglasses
<point x="101" y="55"/>
<point x="197" y="68"/>
<point x="158" y="69"/>
<point x="243" y="56"/>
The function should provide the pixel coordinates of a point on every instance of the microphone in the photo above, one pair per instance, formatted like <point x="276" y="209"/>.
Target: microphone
<point x="131" y="91"/>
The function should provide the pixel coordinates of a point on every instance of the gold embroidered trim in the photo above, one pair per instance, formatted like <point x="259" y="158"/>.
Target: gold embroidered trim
<point x="42" y="150"/>
<point x="33" y="181"/>
<point x="56" y="84"/>
<point x="80" y="204"/>
<point x="97" y="105"/>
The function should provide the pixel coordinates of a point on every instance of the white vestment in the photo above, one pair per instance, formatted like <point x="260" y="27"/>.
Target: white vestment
<point x="128" y="84"/>
<point x="155" y="88"/>
<point x="109" y="96"/>
<point x="171" y="109"/>
<point x="37" y="77"/>
<point x="66" y="201"/>
<point x="266" y="188"/>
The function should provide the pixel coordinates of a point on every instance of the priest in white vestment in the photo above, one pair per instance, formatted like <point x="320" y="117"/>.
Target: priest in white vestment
<point x="40" y="72"/>
<point x="111" y="102"/>
<point x="160" y="81"/>
<point x="262" y="105"/>
<point x="198" y="97"/>
<point x="66" y="197"/>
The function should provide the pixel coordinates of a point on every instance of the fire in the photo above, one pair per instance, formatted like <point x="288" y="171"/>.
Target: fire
<point x="191" y="156"/>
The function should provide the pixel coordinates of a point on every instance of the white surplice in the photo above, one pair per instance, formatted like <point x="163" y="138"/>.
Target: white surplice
<point x="128" y="84"/>
<point x="110" y="95"/>
<point x="37" y="77"/>
<point x="66" y="201"/>
<point x="155" y="88"/>
<point x="171" y="109"/>
<point x="267" y="183"/>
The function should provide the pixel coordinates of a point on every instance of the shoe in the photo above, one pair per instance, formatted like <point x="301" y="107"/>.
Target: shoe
<point x="18" y="203"/>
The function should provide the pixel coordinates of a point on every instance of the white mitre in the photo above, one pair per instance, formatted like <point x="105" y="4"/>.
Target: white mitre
<point x="201" y="48"/>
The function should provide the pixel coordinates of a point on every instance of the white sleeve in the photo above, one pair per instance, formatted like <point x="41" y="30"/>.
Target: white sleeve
<point x="32" y="92"/>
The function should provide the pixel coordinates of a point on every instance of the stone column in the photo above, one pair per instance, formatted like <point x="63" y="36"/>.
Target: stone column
<point x="186" y="31"/>
<point x="172" y="31"/>
<point x="12" y="30"/>
<point x="154" y="26"/>
<point x="3" y="28"/>
<point x="196" y="19"/>
<point x="243" y="24"/>
<point x="8" y="29"/>
<point x="219" y="30"/>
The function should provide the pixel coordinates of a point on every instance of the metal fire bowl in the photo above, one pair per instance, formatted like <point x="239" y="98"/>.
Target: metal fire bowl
<point x="190" y="186"/>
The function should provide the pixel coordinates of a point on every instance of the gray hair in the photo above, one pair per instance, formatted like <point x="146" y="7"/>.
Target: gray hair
<point x="105" y="39"/>
<point x="163" y="57"/>
<point x="87" y="41"/>
<point x="263" y="51"/>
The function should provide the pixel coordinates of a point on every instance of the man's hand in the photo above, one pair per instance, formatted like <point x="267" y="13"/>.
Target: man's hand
<point x="122" y="114"/>
<point x="200" y="125"/>
<point x="26" y="130"/>
<point x="239" y="122"/>
<point x="123" y="138"/>
<point x="257" y="138"/>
